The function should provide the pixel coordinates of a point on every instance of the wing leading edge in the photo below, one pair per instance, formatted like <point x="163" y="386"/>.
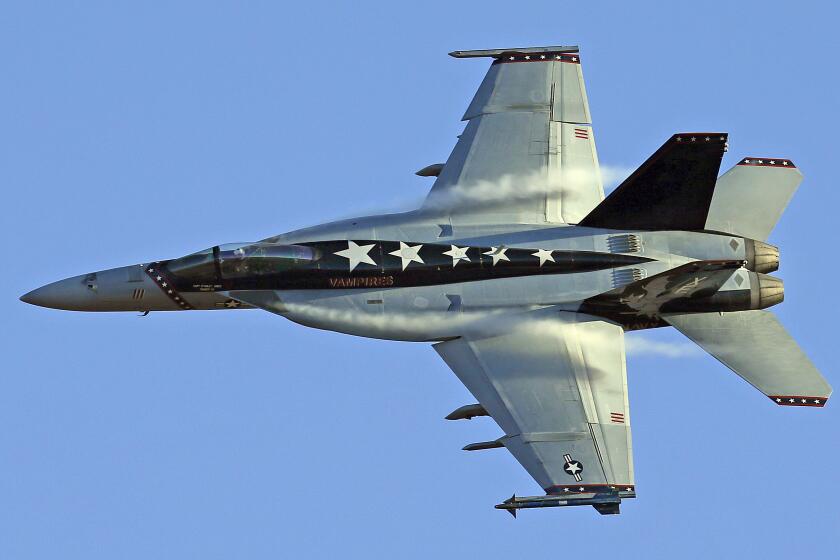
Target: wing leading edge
<point x="557" y="386"/>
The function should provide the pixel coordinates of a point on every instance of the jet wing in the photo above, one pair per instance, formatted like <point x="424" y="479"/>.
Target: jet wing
<point x="557" y="386"/>
<point x="527" y="154"/>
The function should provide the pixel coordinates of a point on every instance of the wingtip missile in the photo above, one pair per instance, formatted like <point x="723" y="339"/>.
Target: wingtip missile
<point x="604" y="503"/>
<point x="508" y="506"/>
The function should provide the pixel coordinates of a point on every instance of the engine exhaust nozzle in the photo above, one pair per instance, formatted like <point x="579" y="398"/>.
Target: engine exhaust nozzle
<point x="771" y="291"/>
<point x="762" y="257"/>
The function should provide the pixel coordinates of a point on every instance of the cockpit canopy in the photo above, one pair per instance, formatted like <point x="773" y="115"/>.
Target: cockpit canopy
<point x="237" y="261"/>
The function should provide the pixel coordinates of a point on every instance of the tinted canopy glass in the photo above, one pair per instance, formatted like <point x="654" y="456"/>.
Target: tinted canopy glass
<point x="262" y="259"/>
<point x="197" y="268"/>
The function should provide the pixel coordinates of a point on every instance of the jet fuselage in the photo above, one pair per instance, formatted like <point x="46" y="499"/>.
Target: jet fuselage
<point x="411" y="277"/>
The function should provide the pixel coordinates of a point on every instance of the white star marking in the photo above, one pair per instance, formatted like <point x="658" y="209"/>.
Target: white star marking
<point x="572" y="468"/>
<point x="542" y="56"/>
<point x="817" y="401"/>
<point x="498" y="254"/>
<point x="544" y="256"/>
<point x="778" y="400"/>
<point x="784" y="163"/>
<point x="159" y="278"/>
<point x="527" y="58"/>
<point x="803" y="400"/>
<point x="792" y="400"/>
<point x="581" y="488"/>
<point x="746" y="161"/>
<point x="357" y="254"/>
<point x="574" y="59"/>
<point x="458" y="254"/>
<point x="693" y="139"/>
<point x="408" y="254"/>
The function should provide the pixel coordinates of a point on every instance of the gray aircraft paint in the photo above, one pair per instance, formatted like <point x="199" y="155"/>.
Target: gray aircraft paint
<point x="543" y="354"/>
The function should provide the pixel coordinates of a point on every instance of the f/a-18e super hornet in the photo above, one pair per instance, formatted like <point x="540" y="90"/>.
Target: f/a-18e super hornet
<point x="525" y="277"/>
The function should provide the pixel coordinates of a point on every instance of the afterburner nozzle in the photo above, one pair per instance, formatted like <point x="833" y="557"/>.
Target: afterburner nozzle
<point x="770" y="291"/>
<point x="762" y="257"/>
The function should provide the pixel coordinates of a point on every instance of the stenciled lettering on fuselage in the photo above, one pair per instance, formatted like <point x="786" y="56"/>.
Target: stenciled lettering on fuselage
<point x="362" y="282"/>
<point x="358" y="264"/>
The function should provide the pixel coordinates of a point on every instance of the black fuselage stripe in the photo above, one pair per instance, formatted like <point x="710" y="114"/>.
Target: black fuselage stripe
<point x="332" y="271"/>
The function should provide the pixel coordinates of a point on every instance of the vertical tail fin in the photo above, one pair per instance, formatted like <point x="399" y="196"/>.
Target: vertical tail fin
<point x="671" y="190"/>
<point x="749" y="198"/>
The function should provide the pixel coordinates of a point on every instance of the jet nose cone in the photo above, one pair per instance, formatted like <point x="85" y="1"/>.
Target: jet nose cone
<point x="64" y="294"/>
<point x="31" y="297"/>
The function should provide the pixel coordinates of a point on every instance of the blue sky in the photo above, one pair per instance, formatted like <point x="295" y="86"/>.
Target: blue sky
<point x="130" y="133"/>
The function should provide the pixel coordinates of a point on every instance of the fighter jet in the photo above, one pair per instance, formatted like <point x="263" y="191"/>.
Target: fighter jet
<point x="524" y="277"/>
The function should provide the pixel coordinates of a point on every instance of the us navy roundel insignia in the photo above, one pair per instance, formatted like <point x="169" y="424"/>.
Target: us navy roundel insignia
<point x="573" y="467"/>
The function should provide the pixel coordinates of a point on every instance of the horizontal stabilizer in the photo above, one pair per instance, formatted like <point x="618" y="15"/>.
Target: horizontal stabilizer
<point x="749" y="198"/>
<point x="672" y="190"/>
<point x="757" y="347"/>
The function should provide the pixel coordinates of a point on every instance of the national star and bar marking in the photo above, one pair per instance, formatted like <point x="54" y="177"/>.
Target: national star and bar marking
<point x="573" y="467"/>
